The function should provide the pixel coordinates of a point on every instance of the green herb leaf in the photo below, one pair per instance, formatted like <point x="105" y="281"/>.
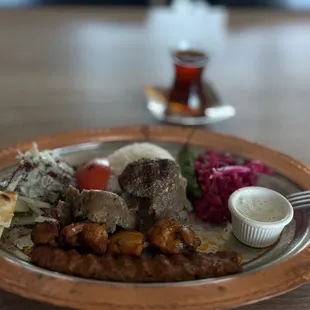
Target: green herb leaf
<point x="186" y="160"/>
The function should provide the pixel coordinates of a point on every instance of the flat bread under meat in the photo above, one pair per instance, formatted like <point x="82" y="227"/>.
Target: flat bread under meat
<point x="7" y="205"/>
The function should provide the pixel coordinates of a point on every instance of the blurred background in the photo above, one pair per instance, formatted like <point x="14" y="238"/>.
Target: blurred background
<point x="279" y="4"/>
<point x="82" y="60"/>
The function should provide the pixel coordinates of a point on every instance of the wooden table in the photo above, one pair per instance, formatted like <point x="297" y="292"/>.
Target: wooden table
<point x="81" y="68"/>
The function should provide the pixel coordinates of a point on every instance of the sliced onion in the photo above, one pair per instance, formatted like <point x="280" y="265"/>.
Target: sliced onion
<point x="23" y="220"/>
<point x="11" y="186"/>
<point x="35" y="203"/>
<point x="41" y="219"/>
<point x="21" y="206"/>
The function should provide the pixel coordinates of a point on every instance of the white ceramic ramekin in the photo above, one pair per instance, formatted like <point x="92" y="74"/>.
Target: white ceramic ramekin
<point x="259" y="234"/>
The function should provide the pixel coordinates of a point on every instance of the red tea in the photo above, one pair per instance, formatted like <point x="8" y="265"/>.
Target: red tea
<point x="187" y="95"/>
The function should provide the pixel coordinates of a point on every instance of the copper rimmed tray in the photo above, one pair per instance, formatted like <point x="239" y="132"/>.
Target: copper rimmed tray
<point x="276" y="271"/>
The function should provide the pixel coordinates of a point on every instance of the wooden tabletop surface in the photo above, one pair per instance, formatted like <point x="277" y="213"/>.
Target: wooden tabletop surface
<point x="63" y="69"/>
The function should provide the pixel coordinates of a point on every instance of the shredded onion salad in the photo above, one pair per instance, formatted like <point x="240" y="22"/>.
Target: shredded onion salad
<point x="219" y="175"/>
<point x="40" y="180"/>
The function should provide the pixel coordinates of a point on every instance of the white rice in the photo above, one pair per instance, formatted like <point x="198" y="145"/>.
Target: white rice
<point x="130" y="153"/>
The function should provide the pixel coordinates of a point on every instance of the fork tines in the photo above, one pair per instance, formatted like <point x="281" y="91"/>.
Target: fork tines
<point x="299" y="200"/>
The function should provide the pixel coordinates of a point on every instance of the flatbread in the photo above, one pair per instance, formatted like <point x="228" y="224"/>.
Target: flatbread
<point x="7" y="206"/>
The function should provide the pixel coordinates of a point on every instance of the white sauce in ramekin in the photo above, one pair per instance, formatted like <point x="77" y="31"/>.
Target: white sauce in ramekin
<point x="259" y="215"/>
<point x="260" y="209"/>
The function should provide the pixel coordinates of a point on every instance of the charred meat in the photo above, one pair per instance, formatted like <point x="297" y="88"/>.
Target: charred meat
<point x="64" y="214"/>
<point x="172" y="237"/>
<point x="172" y="204"/>
<point x="132" y="202"/>
<point x="92" y="237"/>
<point x="128" y="242"/>
<point x="157" y="187"/>
<point x="149" y="177"/>
<point x="45" y="233"/>
<point x="126" y="268"/>
<point x="100" y="207"/>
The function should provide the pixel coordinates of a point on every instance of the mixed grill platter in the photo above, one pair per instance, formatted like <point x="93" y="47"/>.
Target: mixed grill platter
<point x="166" y="217"/>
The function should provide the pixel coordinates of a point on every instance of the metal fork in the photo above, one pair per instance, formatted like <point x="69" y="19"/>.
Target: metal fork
<point x="299" y="200"/>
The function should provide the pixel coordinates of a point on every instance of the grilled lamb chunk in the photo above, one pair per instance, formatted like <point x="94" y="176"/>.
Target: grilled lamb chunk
<point x="101" y="207"/>
<point x="146" y="178"/>
<point x="44" y="233"/>
<point x="74" y="200"/>
<point x="172" y="204"/>
<point x="85" y="236"/>
<point x="64" y="213"/>
<point x="159" y="190"/>
<point x="132" y="202"/>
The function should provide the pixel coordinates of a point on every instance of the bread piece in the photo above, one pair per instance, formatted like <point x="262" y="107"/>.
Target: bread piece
<point x="7" y="206"/>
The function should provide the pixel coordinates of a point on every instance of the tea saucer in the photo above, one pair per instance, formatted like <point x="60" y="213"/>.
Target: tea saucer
<point x="156" y="98"/>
